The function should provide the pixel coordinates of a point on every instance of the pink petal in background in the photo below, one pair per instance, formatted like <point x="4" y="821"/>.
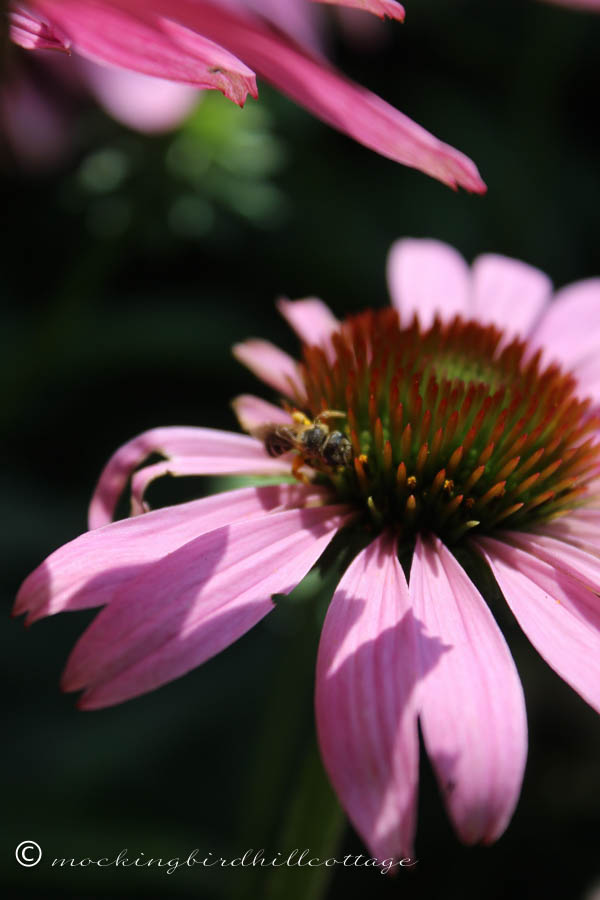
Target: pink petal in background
<point x="270" y="364"/>
<point x="311" y="319"/>
<point x="147" y="104"/>
<point x="508" y="293"/>
<point x="427" y="278"/>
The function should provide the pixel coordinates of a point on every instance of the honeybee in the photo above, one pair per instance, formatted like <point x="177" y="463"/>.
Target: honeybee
<point x="313" y="439"/>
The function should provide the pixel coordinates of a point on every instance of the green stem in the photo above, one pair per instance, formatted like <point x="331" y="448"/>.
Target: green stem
<point x="289" y="804"/>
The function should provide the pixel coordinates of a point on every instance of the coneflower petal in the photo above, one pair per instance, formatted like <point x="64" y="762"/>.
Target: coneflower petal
<point x="559" y="616"/>
<point x="471" y="703"/>
<point x="365" y="700"/>
<point x="570" y="329"/>
<point x="427" y="278"/>
<point x="87" y="571"/>
<point x="195" y="602"/>
<point x="213" y="451"/>
<point x="311" y="319"/>
<point x="272" y="365"/>
<point x="508" y="293"/>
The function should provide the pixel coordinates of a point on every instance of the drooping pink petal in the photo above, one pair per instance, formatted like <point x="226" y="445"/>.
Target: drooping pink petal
<point x="427" y="278"/>
<point x="560" y="555"/>
<point x="381" y="8"/>
<point x="213" y="451"/>
<point x="355" y="111"/>
<point x="87" y="571"/>
<point x="131" y="35"/>
<point x="270" y="364"/>
<point x="472" y="709"/>
<point x="253" y="412"/>
<point x="311" y="319"/>
<point x="555" y="614"/>
<point x="185" y="40"/>
<point x="195" y="602"/>
<point x="312" y="83"/>
<point x="365" y="700"/>
<point x="33" y="32"/>
<point x="570" y="329"/>
<point x="150" y="105"/>
<point x="508" y="293"/>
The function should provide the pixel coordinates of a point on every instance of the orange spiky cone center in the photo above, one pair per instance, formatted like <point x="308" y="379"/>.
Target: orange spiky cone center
<point x="454" y="429"/>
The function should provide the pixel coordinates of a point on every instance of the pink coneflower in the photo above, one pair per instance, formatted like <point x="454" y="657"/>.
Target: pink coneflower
<point x="224" y="44"/>
<point x="461" y="417"/>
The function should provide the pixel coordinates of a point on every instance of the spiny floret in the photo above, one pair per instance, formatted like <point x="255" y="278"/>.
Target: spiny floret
<point x="453" y="428"/>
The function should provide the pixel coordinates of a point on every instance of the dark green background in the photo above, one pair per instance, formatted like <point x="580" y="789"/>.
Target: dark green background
<point x="110" y="328"/>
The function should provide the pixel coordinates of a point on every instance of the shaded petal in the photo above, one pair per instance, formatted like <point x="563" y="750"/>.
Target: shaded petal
<point x="253" y="412"/>
<point x="365" y="708"/>
<point x="272" y="365"/>
<point x="195" y="602"/>
<point x="150" y="105"/>
<point x="210" y="448"/>
<point x="570" y="328"/>
<point x="427" y="278"/>
<point x="132" y="36"/>
<point x="88" y="570"/>
<point x="471" y="702"/>
<point x="311" y="319"/>
<point x="381" y="8"/>
<point x="554" y="612"/>
<point x="508" y="293"/>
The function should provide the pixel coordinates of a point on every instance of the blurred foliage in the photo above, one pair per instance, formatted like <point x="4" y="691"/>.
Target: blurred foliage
<point x="127" y="275"/>
<point x="220" y="163"/>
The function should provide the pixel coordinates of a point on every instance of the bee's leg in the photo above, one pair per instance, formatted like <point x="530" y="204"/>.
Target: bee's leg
<point x="330" y="414"/>
<point x="296" y="466"/>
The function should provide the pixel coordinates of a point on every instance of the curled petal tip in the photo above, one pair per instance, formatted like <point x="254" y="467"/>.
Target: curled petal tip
<point x="379" y="8"/>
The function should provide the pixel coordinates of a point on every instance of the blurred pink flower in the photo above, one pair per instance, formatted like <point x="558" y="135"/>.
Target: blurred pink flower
<point x="463" y="426"/>
<point x="585" y="5"/>
<point x="41" y="96"/>
<point x="222" y="43"/>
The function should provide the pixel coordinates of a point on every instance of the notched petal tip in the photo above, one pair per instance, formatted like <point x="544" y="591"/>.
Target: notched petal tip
<point x="34" y="32"/>
<point x="234" y="86"/>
